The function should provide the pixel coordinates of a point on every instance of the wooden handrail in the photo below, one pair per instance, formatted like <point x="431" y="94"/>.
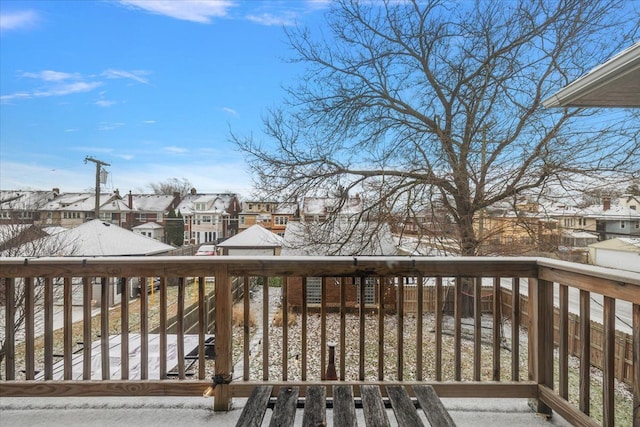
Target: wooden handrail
<point x="542" y="275"/>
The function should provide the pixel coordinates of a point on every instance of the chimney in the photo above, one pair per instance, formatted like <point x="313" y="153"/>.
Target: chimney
<point x="606" y="203"/>
<point x="193" y="192"/>
<point x="56" y="191"/>
<point x="117" y="193"/>
<point x="130" y="200"/>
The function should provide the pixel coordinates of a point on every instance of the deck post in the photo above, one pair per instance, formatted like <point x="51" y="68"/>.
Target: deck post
<point x="540" y="339"/>
<point x="223" y="334"/>
<point x="636" y="365"/>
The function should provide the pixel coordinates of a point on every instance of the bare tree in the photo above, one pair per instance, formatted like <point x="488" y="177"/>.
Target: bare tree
<point x="26" y="241"/>
<point x="172" y="186"/>
<point x="437" y="104"/>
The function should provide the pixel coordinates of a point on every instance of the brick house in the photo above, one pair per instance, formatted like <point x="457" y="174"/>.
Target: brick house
<point x="323" y="239"/>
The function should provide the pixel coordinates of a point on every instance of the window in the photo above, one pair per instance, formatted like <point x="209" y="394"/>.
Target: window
<point x="241" y="219"/>
<point x="637" y="224"/>
<point x="281" y="220"/>
<point x="314" y="290"/>
<point x="206" y="218"/>
<point x="369" y="290"/>
<point x="5" y="215"/>
<point x="622" y="224"/>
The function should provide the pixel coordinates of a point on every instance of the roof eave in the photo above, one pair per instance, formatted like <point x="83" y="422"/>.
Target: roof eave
<point x="624" y="63"/>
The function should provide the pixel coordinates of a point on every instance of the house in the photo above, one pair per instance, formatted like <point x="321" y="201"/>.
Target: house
<point x="72" y="209"/>
<point x="610" y="221"/>
<point x="150" y="229"/>
<point x="339" y="238"/>
<point x="273" y="216"/>
<point x="319" y="209"/>
<point x="97" y="238"/>
<point x="520" y="228"/>
<point x="209" y="218"/>
<point x="621" y="253"/>
<point x="151" y="208"/>
<point x="255" y="240"/>
<point x="23" y="207"/>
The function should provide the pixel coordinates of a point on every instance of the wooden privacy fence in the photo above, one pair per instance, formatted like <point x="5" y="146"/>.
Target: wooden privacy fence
<point x="623" y="341"/>
<point x="623" y="353"/>
<point x="448" y="300"/>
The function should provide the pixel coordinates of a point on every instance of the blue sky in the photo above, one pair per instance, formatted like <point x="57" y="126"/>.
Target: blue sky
<point x="151" y="87"/>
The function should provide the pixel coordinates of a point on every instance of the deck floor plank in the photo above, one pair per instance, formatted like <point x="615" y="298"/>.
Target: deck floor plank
<point x="432" y="406"/>
<point x="403" y="408"/>
<point x="284" y="412"/>
<point x="315" y="407"/>
<point x="253" y="413"/>
<point x="373" y="406"/>
<point x="344" y="409"/>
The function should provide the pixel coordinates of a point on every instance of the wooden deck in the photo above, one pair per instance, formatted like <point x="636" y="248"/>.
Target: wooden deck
<point x="30" y="287"/>
<point x="344" y="405"/>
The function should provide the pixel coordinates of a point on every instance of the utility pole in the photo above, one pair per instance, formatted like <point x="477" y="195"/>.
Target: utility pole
<point x="99" y="164"/>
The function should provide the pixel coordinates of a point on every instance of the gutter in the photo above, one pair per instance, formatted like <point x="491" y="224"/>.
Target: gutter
<point x="625" y="62"/>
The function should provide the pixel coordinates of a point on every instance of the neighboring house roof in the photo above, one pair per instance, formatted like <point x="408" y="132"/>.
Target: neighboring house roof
<point x="623" y="244"/>
<point x="317" y="239"/>
<point x="614" y="213"/>
<point x="151" y="202"/>
<point x="616" y="83"/>
<point x="115" y="205"/>
<point x="580" y="234"/>
<point x="255" y="236"/>
<point x="98" y="238"/>
<point x="25" y="200"/>
<point x="325" y="205"/>
<point x="286" y="209"/>
<point x="148" y="226"/>
<point x="216" y="203"/>
<point x="77" y="202"/>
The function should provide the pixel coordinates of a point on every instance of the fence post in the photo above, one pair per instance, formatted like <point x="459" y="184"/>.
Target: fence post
<point x="540" y="339"/>
<point x="223" y="336"/>
<point x="635" y="377"/>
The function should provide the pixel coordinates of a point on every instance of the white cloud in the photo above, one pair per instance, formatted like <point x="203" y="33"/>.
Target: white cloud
<point x="175" y="150"/>
<point x="200" y="11"/>
<point x="121" y="74"/>
<point x="67" y="89"/>
<point x="149" y="122"/>
<point x="230" y="110"/>
<point x="268" y="19"/>
<point x="106" y="126"/>
<point x="52" y="76"/>
<point x="18" y="20"/>
<point x="105" y="103"/>
<point x="71" y="130"/>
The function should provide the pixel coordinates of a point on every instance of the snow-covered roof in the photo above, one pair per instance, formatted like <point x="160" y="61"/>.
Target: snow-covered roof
<point x="368" y="238"/>
<point x="115" y="205"/>
<point x="151" y="202"/>
<point x="215" y="203"/>
<point x="324" y="205"/>
<point x="580" y="234"/>
<point x="148" y="226"/>
<point x="624" y="244"/>
<point x="24" y="200"/>
<point x="98" y="238"/>
<point x="615" y="212"/>
<point x="255" y="236"/>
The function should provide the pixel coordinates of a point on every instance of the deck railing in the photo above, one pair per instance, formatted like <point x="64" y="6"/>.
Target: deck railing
<point x="375" y="340"/>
